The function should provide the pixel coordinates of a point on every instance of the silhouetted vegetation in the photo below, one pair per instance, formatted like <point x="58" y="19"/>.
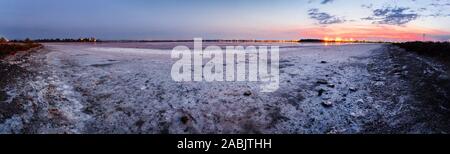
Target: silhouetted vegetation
<point x="311" y="40"/>
<point x="57" y="40"/>
<point x="439" y="50"/>
<point x="12" y="48"/>
<point x="337" y="41"/>
<point x="3" y="40"/>
<point x="68" y="40"/>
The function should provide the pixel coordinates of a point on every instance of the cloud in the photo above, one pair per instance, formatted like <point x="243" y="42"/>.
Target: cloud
<point x="326" y="1"/>
<point x="324" y="18"/>
<point x="437" y="4"/>
<point x="367" y="6"/>
<point x="392" y="16"/>
<point x="422" y="9"/>
<point x="321" y="2"/>
<point x="438" y="8"/>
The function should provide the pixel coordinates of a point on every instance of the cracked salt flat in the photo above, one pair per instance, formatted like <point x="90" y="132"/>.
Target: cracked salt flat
<point x="115" y="88"/>
<point x="135" y="93"/>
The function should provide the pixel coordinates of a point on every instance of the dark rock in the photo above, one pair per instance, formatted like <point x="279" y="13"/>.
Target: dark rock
<point x="139" y="123"/>
<point x="327" y="103"/>
<point x="184" y="119"/>
<point x="331" y="85"/>
<point x="3" y="96"/>
<point x="443" y="77"/>
<point x="322" y="81"/>
<point x="323" y="62"/>
<point x="352" y="89"/>
<point x="320" y="92"/>
<point x="360" y="101"/>
<point x="394" y="71"/>
<point x="247" y="93"/>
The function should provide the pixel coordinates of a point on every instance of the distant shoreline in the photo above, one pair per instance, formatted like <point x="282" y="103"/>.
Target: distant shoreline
<point x="207" y="40"/>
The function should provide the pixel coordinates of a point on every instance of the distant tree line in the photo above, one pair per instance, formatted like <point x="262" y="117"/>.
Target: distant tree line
<point x="91" y="39"/>
<point x="344" y="41"/>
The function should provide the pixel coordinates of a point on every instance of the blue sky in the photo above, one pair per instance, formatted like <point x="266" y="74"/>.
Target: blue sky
<point x="226" y="19"/>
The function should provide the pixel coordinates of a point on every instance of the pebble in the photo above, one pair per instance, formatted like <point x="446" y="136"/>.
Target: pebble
<point x="360" y="101"/>
<point x="327" y="103"/>
<point x="352" y="89"/>
<point x="320" y="92"/>
<point x="379" y="83"/>
<point x="444" y="77"/>
<point x="322" y="81"/>
<point x="184" y="119"/>
<point x="395" y="70"/>
<point x="247" y="93"/>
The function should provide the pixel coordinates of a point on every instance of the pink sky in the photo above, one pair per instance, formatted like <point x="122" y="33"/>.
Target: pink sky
<point x="379" y="32"/>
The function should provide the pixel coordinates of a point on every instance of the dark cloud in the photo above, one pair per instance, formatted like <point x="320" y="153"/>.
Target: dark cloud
<point x="439" y="8"/>
<point x="435" y="5"/>
<point x="368" y="18"/>
<point x="326" y="1"/>
<point x="422" y="9"/>
<point x="367" y="6"/>
<point x="392" y="16"/>
<point x="321" y="1"/>
<point x="438" y="4"/>
<point x="324" y="18"/>
<point x="437" y="14"/>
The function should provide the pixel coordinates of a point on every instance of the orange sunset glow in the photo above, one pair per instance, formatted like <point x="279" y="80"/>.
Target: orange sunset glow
<point x="373" y="33"/>
<point x="338" y="39"/>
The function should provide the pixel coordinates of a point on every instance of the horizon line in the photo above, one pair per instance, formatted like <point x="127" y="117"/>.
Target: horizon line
<point x="93" y="39"/>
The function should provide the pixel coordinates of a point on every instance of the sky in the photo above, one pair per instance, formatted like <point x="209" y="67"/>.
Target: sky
<point x="389" y="20"/>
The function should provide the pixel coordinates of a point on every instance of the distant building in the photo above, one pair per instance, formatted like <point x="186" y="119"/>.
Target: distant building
<point x="87" y="40"/>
